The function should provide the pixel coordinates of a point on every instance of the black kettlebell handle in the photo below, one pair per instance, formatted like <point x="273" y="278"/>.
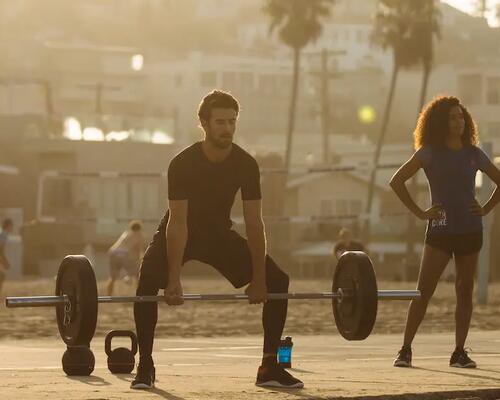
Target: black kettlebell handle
<point x="120" y="333"/>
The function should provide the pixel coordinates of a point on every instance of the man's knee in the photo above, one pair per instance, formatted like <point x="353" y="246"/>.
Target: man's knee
<point x="147" y="286"/>
<point x="277" y="280"/>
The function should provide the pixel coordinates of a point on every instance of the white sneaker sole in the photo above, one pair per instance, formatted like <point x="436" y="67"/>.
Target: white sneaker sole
<point x="403" y="364"/>
<point x="142" y="386"/>
<point x="298" y="385"/>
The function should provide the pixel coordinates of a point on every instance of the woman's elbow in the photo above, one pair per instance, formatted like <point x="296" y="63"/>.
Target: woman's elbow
<point x="394" y="182"/>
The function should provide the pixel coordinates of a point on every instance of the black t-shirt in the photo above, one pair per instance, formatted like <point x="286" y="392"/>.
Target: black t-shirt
<point x="340" y="247"/>
<point x="210" y="187"/>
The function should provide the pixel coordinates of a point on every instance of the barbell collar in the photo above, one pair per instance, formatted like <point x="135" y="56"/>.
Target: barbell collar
<point x="35" y="301"/>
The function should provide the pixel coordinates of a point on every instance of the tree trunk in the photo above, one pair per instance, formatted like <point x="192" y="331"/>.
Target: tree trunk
<point x="376" y="156"/>
<point x="411" y="259"/>
<point x="425" y="83"/>
<point x="293" y="103"/>
<point x="325" y="106"/>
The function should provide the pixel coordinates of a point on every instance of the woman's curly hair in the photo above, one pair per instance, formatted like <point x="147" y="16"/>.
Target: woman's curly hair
<point x="432" y="124"/>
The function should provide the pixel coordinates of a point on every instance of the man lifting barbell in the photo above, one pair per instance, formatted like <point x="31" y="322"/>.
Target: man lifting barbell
<point x="202" y="183"/>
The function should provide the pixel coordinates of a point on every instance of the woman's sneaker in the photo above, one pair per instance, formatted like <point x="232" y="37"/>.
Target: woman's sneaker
<point x="274" y="375"/>
<point x="145" y="378"/>
<point x="460" y="359"/>
<point x="404" y="357"/>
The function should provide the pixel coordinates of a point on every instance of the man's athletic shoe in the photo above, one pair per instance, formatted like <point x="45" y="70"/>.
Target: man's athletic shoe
<point x="404" y="357"/>
<point x="460" y="359"/>
<point x="145" y="378"/>
<point x="274" y="375"/>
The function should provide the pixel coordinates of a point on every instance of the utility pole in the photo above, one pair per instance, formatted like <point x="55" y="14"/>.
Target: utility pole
<point x="325" y="106"/>
<point x="325" y="76"/>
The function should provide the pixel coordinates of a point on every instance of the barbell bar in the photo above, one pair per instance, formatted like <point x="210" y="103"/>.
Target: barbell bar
<point x="47" y="301"/>
<point x="354" y="298"/>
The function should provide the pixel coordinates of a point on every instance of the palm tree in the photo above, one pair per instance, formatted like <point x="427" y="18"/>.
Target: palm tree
<point x="423" y="30"/>
<point x="299" y="23"/>
<point x="391" y="31"/>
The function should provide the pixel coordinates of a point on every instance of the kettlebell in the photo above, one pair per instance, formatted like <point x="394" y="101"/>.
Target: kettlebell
<point x="78" y="361"/>
<point x="121" y="360"/>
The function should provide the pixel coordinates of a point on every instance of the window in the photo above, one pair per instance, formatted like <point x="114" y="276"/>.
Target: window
<point x="326" y="207"/>
<point x="229" y="80"/>
<point x="284" y="84"/>
<point x="494" y="128"/>
<point x="348" y="206"/>
<point x="178" y="80"/>
<point x="246" y="81"/>
<point x="493" y="91"/>
<point x="267" y="83"/>
<point x="359" y="35"/>
<point x="208" y="79"/>
<point x="470" y="88"/>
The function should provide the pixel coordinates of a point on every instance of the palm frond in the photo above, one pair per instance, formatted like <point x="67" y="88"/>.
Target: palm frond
<point x="298" y="21"/>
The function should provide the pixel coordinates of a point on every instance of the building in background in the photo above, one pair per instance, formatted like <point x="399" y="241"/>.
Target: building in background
<point x="114" y="86"/>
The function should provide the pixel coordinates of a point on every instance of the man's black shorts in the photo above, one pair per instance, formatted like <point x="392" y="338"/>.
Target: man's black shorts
<point x="226" y="251"/>
<point x="456" y="244"/>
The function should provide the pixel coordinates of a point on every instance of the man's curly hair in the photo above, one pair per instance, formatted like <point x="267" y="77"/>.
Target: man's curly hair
<point x="432" y="124"/>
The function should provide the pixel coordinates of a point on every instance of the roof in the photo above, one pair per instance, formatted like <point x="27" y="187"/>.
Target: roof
<point x="325" y="248"/>
<point x="357" y="176"/>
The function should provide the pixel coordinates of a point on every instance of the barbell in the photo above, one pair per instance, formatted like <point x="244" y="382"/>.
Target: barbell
<point x="354" y="298"/>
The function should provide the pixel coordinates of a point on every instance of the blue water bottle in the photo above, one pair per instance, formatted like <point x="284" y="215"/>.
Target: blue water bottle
<point x="285" y="352"/>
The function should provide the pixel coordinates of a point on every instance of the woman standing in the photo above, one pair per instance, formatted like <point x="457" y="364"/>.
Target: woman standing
<point x="446" y="141"/>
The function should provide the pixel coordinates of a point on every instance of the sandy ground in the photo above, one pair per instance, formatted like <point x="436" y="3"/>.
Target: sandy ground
<point x="209" y="319"/>
<point x="224" y="368"/>
<point x="210" y="350"/>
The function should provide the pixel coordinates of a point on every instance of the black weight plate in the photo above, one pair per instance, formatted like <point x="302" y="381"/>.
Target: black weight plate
<point x="356" y="313"/>
<point x="76" y="279"/>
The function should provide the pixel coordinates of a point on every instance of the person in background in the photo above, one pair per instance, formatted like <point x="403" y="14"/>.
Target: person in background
<point x="126" y="253"/>
<point x="7" y="228"/>
<point x="346" y="243"/>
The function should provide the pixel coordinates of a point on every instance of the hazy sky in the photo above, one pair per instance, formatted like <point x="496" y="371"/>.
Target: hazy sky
<point x="467" y="5"/>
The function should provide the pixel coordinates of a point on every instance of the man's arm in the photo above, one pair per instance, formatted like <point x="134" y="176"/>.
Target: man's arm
<point x="176" y="237"/>
<point x="252" y="213"/>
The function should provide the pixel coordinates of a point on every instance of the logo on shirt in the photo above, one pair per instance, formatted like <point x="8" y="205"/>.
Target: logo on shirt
<point x="442" y="221"/>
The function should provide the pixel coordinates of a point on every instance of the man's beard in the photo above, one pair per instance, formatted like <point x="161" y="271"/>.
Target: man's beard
<point x="222" y="143"/>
